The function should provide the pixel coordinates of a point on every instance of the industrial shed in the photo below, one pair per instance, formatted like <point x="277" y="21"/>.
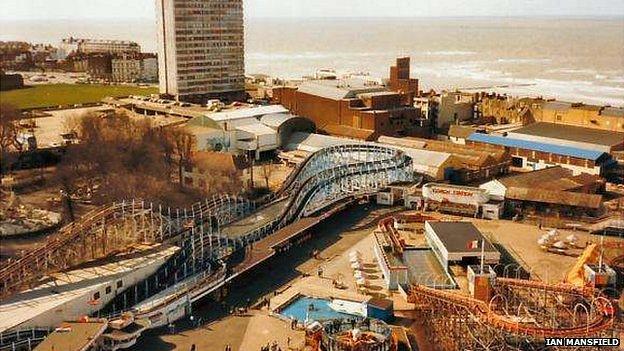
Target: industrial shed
<point x="256" y="137"/>
<point x="553" y="178"/>
<point x="553" y="202"/>
<point x="580" y="137"/>
<point x="450" y="242"/>
<point x="533" y="155"/>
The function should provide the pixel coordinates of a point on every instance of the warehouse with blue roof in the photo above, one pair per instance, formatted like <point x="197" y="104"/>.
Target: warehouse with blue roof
<point x="535" y="155"/>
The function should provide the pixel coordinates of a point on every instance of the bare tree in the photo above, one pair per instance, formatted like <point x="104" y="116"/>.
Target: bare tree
<point x="267" y="172"/>
<point x="181" y="144"/>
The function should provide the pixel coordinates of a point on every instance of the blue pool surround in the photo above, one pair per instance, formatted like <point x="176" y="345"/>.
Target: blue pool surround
<point x="298" y="308"/>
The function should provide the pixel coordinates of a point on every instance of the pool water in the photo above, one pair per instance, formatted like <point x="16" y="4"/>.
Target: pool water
<point x="298" y="309"/>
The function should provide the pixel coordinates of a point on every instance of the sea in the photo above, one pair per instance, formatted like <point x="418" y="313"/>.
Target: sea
<point x="571" y="59"/>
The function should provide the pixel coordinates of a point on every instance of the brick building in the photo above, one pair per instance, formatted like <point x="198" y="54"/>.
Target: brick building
<point x="98" y="66"/>
<point x="401" y="82"/>
<point x="358" y="109"/>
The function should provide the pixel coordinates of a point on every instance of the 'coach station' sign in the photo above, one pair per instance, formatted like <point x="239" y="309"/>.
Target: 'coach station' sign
<point x="454" y="193"/>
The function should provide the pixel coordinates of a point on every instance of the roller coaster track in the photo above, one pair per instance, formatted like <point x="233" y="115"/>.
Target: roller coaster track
<point x="104" y="231"/>
<point x="75" y="243"/>
<point x="324" y="178"/>
<point x="600" y="321"/>
<point x="305" y="197"/>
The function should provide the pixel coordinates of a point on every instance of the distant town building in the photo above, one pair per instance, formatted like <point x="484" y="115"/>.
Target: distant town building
<point x="134" y="68"/>
<point x="11" y="81"/>
<point x="401" y="82"/>
<point x="455" y="107"/>
<point x="508" y="109"/>
<point x="201" y="49"/>
<point x="98" y="66"/>
<point x="582" y="115"/>
<point x="15" y="55"/>
<point x="474" y="162"/>
<point x="96" y="46"/>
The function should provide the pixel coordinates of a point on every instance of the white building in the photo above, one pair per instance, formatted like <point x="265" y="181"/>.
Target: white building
<point x="91" y="46"/>
<point x="454" y="242"/>
<point x="200" y="49"/>
<point x="134" y="67"/>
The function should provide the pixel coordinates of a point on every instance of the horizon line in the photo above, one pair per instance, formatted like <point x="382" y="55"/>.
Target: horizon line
<point x="562" y="16"/>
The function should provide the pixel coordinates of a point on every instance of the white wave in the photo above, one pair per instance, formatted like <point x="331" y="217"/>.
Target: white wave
<point x="523" y="60"/>
<point x="448" y="53"/>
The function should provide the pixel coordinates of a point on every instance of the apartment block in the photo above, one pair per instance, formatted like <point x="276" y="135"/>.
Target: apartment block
<point x="201" y="49"/>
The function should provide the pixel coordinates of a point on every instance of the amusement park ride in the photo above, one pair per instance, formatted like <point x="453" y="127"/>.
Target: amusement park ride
<point x="512" y="314"/>
<point x="518" y="314"/>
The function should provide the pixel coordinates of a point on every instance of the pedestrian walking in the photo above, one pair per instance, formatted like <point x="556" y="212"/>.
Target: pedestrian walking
<point x="288" y="340"/>
<point x="193" y="347"/>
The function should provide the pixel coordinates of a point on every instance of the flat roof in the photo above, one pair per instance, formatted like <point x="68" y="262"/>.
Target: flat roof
<point x="566" y="132"/>
<point x="313" y="142"/>
<point x="339" y="89"/>
<point x="456" y="235"/>
<point x="425" y="268"/>
<point x="246" y="112"/>
<point x="77" y="336"/>
<point x="349" y="132"/>
<point x="537" y="146"/>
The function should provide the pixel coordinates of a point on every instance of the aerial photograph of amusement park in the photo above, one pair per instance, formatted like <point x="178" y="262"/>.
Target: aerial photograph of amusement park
<point x="297" y="175"/>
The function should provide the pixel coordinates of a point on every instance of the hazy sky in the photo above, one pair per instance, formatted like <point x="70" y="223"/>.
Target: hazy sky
<point x="108" y="9"/>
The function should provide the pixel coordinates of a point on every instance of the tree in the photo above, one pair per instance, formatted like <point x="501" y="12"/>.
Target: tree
<point x="119" y="157"/>
<point x="180" y="143"/>
<point x="9" y="130"/>
<point x="267" y="172"/>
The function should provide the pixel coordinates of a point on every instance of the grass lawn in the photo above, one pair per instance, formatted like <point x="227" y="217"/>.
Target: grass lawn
<point x="66" y="94"/>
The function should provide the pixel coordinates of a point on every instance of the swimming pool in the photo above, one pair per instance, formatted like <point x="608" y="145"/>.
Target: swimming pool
<point x="298" y="309"/>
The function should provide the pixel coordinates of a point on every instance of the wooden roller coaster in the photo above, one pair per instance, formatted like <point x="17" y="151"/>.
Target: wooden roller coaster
<point x="519" y="316"/>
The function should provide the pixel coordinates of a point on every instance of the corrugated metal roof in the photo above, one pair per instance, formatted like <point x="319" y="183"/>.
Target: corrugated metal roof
<point x="422" y="157"/>
<point x="275" y="120"/>
<point x="249" y="112"/>
<point x="572" y="133"/>
<point x="552" y="178"/>
<point x="256" y="129"/>
<point x="567" y="198"/>
<point x="312" y="142"/>
<point x="537" y="146"/>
